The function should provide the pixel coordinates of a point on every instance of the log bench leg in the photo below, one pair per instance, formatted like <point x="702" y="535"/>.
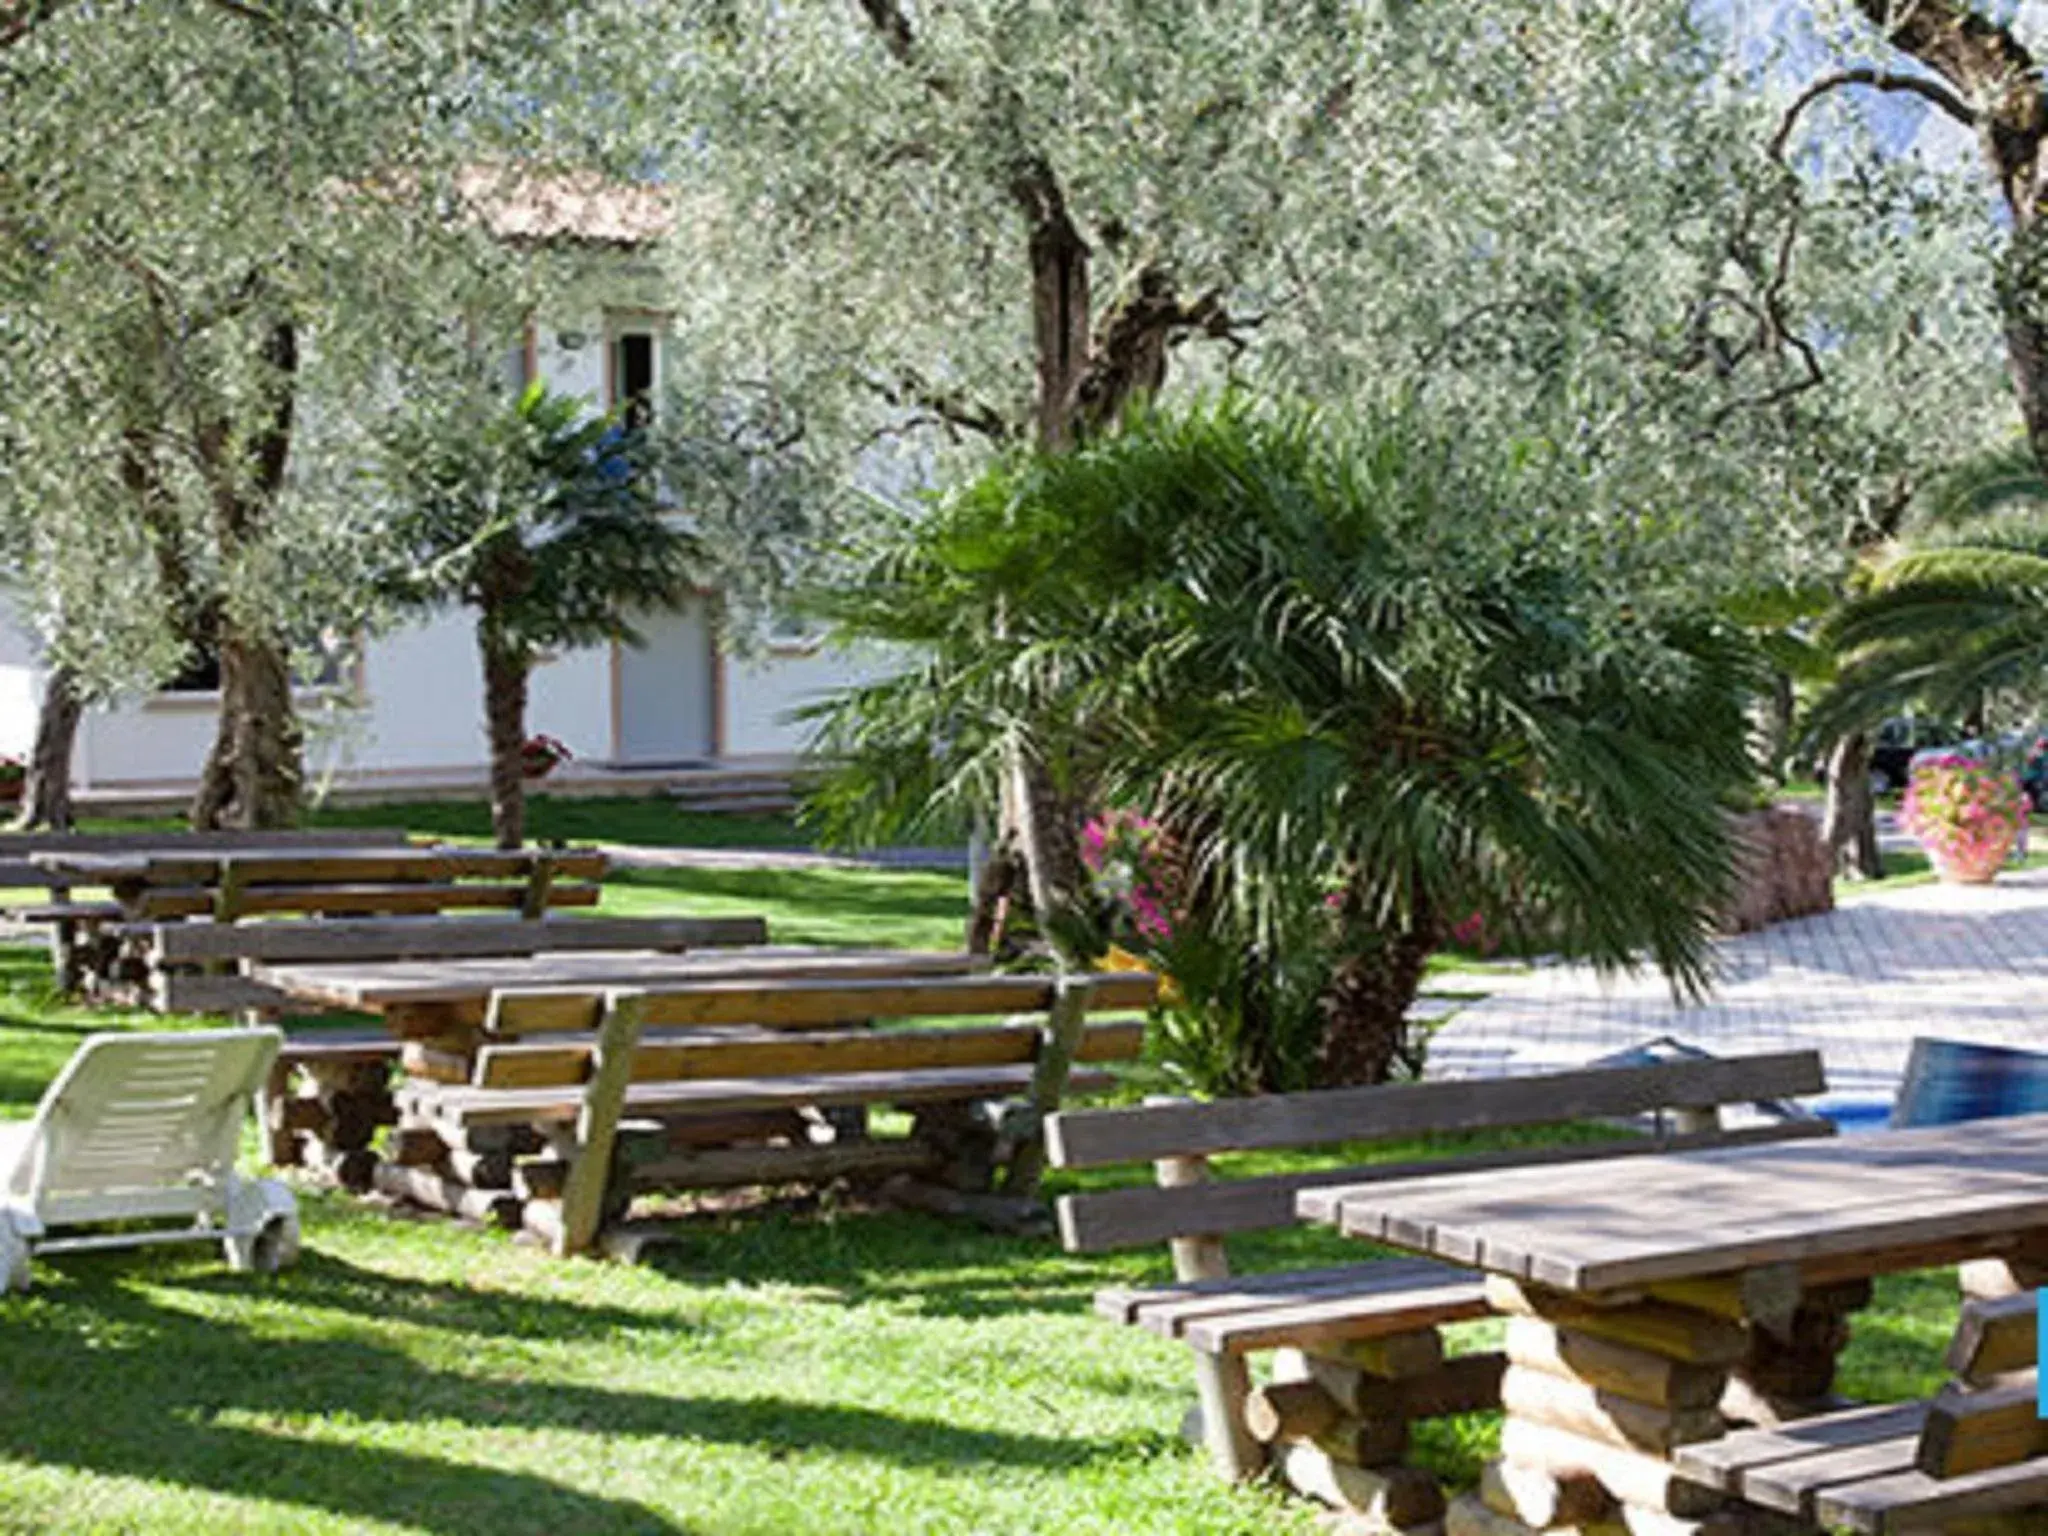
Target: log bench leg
<point x="1597" y="1398"/>
<point x="1336" y="1420"/>
<point x="341" y="1109"/>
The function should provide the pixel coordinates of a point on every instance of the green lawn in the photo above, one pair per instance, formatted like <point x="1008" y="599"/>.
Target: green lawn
<point x="819" y="1367"/>
<point x="650" y="821"/>
<point x="922" y="909"/>
<point x="814" y="1366"/>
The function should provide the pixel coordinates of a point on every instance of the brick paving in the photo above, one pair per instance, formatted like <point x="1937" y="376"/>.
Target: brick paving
<point x="1960" y="962"/>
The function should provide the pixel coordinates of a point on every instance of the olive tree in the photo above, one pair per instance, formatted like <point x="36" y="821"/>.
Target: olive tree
<point x="219" y="223"/>
<point x="960" y="229"/>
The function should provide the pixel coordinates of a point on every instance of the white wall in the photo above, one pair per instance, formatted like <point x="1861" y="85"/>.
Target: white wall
<point x="20" y="699"/>
<point x="21" y="682"/>
<point x="421" y="706"/>
<point x="760" y="691"/>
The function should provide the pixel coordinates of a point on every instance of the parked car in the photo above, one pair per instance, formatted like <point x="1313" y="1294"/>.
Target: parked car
<point x="1897" y="742"/>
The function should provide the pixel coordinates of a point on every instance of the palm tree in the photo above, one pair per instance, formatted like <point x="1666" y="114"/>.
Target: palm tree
<point x="544" y="520"/>
<point x="1362" y="705"/>
<point x="1959" y="611"/>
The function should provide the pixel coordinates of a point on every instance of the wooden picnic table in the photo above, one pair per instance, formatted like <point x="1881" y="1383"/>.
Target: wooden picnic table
<point x="1643" y="1294"/>
<point x="420" y="998"/>
<point x="435" y="1011"/>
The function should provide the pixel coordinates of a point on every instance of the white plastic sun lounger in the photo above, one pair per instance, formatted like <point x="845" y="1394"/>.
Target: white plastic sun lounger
<point x="140" y="1127"/>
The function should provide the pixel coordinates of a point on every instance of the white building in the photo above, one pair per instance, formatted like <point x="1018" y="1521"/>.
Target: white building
<point x="409" y="712"/>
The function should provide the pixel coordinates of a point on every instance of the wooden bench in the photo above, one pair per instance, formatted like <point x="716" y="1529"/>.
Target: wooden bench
<point x="309" y="884"/>
<point x="1361" y="1354"/>
<point x="1975" y="1457"/>
<point x="69" y="919"/>
<point x="713" y="1084"/>
<point x="362" y="882"/>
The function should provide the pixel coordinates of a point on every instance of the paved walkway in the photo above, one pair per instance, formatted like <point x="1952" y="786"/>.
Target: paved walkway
<point x="1962" y="962"/>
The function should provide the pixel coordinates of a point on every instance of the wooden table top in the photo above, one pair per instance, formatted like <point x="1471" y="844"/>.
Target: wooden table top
<point x="380" y="985"/>
<point x="176" y="866"/>
<point x="1602" y="1226"/>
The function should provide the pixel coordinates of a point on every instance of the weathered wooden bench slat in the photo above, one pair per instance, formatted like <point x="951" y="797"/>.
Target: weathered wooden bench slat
<point x="1104" y="1220"/>
<point x="1970" y="1430"/>
<point x="18" y="849"/>
<point x="809" y="1004"/>
<point x="1318" y="1320"/>
<point x="513" y="1106"/>
<point x="1122" y="1303"/>
<point x="1909" y="1500"/>
<point x="1793" y="1487"/>
<point x="729" y="1053"/>
<point x="1994" y="1337"/>
<point x="70" y="911"/>
<point x="164" y="865"/>
<point x="1094" y="1138"/>
<point x="1167" y="1309"/>
<point x="199" y="901"/>
<point x="436" y="937"/>
<point x="1724" y="1463"/>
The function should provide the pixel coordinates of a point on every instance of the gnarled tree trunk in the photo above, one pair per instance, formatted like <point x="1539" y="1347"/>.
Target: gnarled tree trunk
<point x="506" y="666"/>
<point x="1989" y="81"/>
<point x="255" y="775"/>
<point x="1849" y="827"/>
<point x="46" y="788"/>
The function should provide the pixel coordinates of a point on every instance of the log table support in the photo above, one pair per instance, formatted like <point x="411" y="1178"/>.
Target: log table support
<point x="330" y="1121"/>
<point x="1598" y="1394"/>
<point x="1789" y="1371"/>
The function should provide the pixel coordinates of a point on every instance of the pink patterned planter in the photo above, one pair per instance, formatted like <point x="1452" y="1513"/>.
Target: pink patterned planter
<point x="1978" y="868"/>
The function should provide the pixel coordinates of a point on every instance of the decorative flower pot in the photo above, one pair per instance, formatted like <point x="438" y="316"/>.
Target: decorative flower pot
<point x="1966" y="813"/>
<point x="1978" y="865"/>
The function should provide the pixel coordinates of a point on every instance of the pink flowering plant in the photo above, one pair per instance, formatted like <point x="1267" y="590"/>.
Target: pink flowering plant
<point x="1966" y="812"/>
<point x="539" y="755"/>
<point x="1126" y="854"/>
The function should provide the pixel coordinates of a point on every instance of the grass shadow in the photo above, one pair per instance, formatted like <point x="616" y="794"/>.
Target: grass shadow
<point x="108" y="1373"/>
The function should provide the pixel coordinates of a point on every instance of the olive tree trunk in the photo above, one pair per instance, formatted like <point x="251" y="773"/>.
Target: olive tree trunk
<point x="506" y="668"/>
<point x="46" y="787"/>
<point x="254" y="776"/>
<point x="1996" y="89"/>
<point x="1849" y="827"/>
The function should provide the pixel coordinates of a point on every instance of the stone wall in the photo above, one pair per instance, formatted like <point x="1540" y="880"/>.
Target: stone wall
<point x="1783" y="870"/>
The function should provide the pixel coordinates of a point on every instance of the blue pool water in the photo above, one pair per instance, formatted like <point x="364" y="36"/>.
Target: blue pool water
<point x="1851" y="1115"/>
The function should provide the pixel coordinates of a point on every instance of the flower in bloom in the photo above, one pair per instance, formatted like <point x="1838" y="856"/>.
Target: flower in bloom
<point x="1962" y="809"/>
<point x="1126" y="853"/>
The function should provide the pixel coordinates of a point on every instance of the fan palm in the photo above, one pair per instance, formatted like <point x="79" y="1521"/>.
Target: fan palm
<point x="542" y="518"/>
<point x="1362" y="707"/>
